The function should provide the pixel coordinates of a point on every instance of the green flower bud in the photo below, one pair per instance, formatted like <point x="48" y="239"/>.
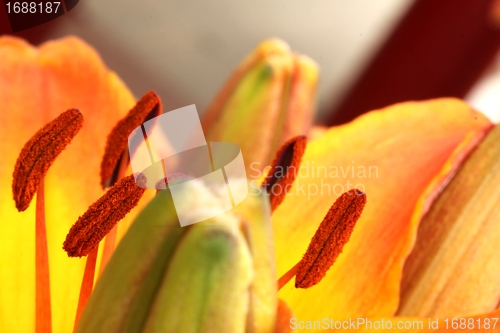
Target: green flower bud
<point x="217" y="275"/>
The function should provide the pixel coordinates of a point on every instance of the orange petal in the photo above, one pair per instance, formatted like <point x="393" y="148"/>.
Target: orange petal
<point x="398" y="156"/>
<point x="284" y="316"/>
<point x="454" y="269"/>
<point x="36" y="85"/>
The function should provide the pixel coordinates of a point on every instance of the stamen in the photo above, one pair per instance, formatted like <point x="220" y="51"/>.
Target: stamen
<point x="43" y="317"/>
<point x="148" y="107"/>
<point x="35" y="158"/>
<point x="284" y="169"/>
<point x="333" y="233"/>
<point x="40" y="152"/>
<point x="110" y="241"/>
<point x="116" y="156"/>
<point x="102" y="216"/>
<point x="87" y="283"/>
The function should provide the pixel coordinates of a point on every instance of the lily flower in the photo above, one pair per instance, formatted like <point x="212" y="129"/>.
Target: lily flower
<point x="401" y="157"/>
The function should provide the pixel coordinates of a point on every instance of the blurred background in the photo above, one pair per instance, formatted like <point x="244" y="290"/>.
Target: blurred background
<point x="370" y="53"/>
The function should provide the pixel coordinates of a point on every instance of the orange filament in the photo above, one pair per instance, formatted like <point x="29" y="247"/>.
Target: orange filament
<point x="43" y="310"/>
<point x="284" y="169"/>
<point x="148" y="107"/>
<point x="109" y="247"/>
<point x="110" y="241"/>
<point x="87" y="283"/>
<point x="40" y="152"/>
<point x="103" y="215"/>
<point x="288" y="276"/>
<point x="329" y="240"/>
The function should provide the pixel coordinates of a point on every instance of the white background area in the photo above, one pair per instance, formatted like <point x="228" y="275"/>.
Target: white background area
<point x="184" y="50"/>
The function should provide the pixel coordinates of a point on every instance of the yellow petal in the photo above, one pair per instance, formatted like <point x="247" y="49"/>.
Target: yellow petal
<point x="454" y="269"/>
<point x="398" y="156"/>
<point x="36" y="85"/>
